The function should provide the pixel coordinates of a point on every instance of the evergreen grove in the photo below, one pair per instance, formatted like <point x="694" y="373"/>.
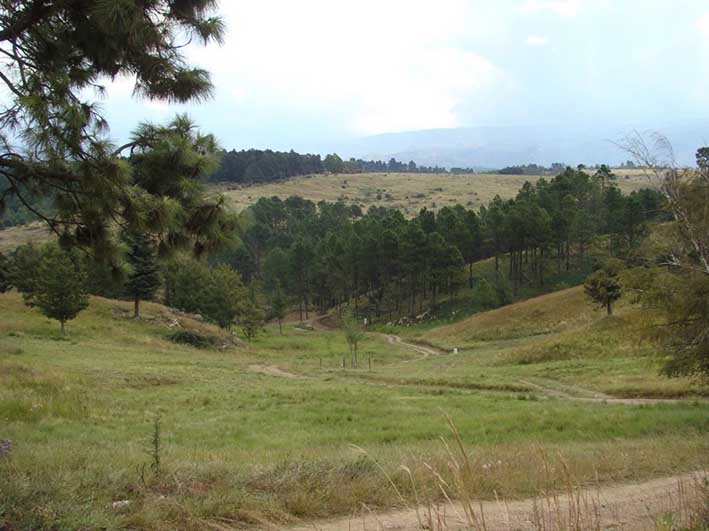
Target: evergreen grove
<point x="325" y="255"/>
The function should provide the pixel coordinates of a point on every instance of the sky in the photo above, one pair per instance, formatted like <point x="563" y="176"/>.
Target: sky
<point x="311" y="74"/>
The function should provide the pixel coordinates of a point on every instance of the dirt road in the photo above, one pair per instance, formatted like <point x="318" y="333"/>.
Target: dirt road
<point x="630" y="506"/>
<point x="424" y="351"/>
<point x="272" y="370"/>
<point x="556" y="389"/>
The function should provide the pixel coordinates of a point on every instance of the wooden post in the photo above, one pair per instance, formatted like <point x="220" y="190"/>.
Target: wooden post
<point x="370" y="363"/>
<point x="320" y="362"/>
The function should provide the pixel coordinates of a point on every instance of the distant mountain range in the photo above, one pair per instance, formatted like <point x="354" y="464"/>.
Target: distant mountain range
<point x="497" y="147"/>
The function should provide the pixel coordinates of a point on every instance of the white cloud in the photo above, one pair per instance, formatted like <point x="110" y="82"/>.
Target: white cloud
<point x="122" y="88"/>
<point x="377" y="66"/>
<point x="563" y="8"/>
<point x="537" y="40"/>
<point x="703" y="24"/>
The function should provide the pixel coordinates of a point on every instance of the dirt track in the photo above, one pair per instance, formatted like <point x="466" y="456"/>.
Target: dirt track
<point x="325" y="322"/>
<point x="630" y="506"/>
<point x="424" y="351"/>
<point x="572" y="392"/>
<point x="272" y="370"/>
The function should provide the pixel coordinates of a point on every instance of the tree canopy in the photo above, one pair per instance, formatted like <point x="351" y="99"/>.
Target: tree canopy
<point x="56" y="159"/>
<point x="675" y="279"/>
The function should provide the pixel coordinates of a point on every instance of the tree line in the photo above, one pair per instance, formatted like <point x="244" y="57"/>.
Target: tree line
<point x="532" y="169"/>
<point x="262" y="166"/>
<point x="58" y="281"/>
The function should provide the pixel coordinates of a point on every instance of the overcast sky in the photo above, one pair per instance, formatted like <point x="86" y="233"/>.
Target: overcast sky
<point x="308" y="74"/>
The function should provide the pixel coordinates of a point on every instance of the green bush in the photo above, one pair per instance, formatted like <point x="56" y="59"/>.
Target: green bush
<point x="187" y="337"/>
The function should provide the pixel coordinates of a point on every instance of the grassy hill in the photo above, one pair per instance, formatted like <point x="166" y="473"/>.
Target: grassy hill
<point x="409" y="192"/>
<point x="554" y="312"/>
<point x="262" y="432"/>
<point x="563" y="337"/>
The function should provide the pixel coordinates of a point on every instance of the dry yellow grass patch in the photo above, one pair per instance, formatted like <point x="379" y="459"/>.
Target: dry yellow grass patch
<point x="541" y="315"/>
<point x="36" y="232"/>
<point x="408" y="192"/>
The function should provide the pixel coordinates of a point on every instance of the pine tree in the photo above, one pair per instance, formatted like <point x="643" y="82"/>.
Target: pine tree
<point x="59" y="289"/>
<point x="54" y="55"/>
<point x="353" y="334"/>
<point x="144" y="278"/>
<point x="226" y="297"/>
<point x="603" y="286"/>
<point x="278" y="307"/>
<point x="251" y="319"/>
<point x="485" y="295"/>
<point x="23" y="266"/>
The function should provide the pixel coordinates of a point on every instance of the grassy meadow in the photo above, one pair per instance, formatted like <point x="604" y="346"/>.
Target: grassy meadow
<point x="117" y="426"/>
<point x="276" y="432"/>
<point x="408" y="192"/>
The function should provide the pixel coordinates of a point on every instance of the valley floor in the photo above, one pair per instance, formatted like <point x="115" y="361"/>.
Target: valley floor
<point x="541" y="395"/>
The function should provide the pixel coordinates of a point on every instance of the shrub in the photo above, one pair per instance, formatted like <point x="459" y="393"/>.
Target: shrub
<point x="188" y="337"/>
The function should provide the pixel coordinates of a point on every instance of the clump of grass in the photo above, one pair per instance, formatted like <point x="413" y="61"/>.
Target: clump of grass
<point x="688" y="509"/>
<point x="188" y="337"/>
<point x="155" y="447"/>
<point x="570" y="509"/>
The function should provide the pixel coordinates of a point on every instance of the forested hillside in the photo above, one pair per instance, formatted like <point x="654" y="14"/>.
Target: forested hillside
<point x="326" y="254"/>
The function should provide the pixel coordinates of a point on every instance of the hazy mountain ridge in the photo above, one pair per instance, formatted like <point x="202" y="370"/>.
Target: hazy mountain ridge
<point x="495" y="147"/>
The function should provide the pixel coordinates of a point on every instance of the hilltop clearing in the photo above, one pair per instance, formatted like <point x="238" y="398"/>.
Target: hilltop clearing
<point x="408" y="192"/>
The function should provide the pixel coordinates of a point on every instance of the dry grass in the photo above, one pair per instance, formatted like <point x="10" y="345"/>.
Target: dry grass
<point x="449" y="493"/>
<point x="546" y="314"/>
<point x="404" y="191"/>
<point x="10" y="238"/>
